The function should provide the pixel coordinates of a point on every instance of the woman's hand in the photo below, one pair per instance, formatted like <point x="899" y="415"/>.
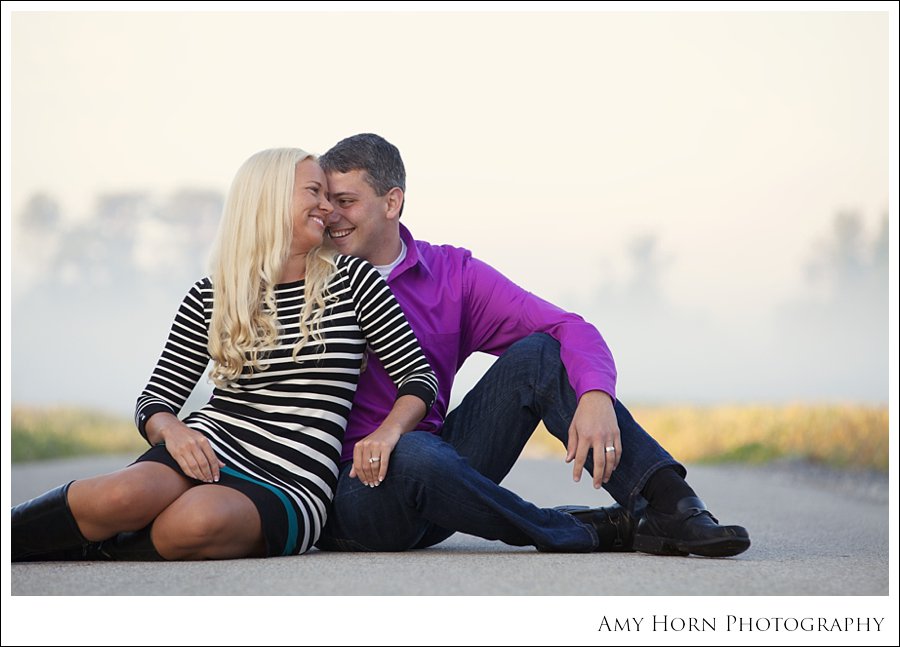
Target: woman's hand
<point x="372" y="455"/>
<point x="189" y="448"/>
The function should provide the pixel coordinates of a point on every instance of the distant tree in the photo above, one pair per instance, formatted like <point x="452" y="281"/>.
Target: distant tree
<point x="40" y="214"/>
<point x="846" y="262"/>
<point x="648" y="264"/>
<point x="832" y="341"/>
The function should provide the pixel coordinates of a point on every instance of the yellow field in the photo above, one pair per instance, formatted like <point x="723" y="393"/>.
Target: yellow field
<point x="844" y="436"/>
<point x="39" y="433"/>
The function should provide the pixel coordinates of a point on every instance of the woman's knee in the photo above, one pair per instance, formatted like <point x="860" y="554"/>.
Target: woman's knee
<point x="201" y="527"/>
<point x="206" y="526"/>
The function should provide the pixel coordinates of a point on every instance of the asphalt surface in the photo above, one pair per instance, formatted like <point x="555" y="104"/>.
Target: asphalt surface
<point x="814" y="533"/>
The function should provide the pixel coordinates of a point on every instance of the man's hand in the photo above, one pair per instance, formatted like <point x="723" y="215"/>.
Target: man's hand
<point x="594" y="427"/>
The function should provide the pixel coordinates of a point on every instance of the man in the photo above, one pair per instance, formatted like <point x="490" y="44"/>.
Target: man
<point x="399" y="490"/>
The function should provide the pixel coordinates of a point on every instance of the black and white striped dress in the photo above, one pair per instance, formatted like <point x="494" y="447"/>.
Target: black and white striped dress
<point x="279" y="430"/>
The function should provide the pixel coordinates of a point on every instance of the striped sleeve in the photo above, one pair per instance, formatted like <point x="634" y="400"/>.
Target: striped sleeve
<point x="183" y="360"/>
<point x="388" y="332"/>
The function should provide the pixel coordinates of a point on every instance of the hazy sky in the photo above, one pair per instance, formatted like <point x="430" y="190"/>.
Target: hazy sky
<point x="546" y="143"/>
<point x="537" y="139"/>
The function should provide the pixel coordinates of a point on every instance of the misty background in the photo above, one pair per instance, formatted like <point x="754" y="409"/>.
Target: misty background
<point x="708" y="189"/>
<point x="93" y="302"/>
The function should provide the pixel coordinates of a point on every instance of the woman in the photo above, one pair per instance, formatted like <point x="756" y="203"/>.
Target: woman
<point x="286" y="324"/>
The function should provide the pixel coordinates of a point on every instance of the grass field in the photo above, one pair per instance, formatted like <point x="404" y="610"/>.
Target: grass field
<point x="841" y="436"/>
<point x="58" y="432"/>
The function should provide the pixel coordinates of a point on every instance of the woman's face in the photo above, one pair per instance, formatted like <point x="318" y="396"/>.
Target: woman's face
<point x="310" y="207"/>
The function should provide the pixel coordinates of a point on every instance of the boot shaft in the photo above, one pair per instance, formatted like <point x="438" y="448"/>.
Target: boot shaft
<point x="44" y="529"/>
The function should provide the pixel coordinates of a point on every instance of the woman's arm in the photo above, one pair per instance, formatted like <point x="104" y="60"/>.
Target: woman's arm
<point x="394" y="342"/>
<point x="180" y="366"/>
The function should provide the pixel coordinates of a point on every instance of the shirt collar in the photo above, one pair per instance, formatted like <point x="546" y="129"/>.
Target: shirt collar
<point x="412" y="255"/>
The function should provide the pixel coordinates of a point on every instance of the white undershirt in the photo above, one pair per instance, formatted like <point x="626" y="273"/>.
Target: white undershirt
<point x="385" y="270"/>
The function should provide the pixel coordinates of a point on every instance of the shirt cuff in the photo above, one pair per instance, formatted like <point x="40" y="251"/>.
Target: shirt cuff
<point x="595" y="382"/>
<point x="144" y="415"/>
<point x="421" y="391"/>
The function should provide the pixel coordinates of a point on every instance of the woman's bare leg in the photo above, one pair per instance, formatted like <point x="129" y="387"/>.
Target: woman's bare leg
<point x="209" y="522"/>
<point x="125" y="500"/>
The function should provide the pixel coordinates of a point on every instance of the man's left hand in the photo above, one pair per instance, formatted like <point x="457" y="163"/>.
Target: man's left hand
<point x="594" y="427"/>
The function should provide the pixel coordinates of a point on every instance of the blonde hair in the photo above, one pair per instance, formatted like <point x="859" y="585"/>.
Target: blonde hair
<point x="251" y="249"/>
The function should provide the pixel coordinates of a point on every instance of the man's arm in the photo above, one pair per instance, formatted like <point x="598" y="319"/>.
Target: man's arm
<point x="499" y="313"/>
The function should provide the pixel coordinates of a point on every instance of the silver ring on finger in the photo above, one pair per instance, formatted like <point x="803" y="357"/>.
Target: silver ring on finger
<point x="611" y="448"/>
<point x="375" y="459"/>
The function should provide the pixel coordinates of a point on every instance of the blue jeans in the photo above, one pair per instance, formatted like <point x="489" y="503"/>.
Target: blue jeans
<point x="438" y="485"/>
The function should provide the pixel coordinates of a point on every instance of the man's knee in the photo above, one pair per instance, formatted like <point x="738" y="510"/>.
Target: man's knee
<point x="535" y="360"/>
<point x="536" y="348"/>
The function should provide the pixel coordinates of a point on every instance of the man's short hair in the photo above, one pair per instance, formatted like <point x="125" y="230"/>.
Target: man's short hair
<point x="371" y="153"/>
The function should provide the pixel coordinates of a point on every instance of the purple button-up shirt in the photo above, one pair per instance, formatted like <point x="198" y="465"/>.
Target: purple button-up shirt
<point x="458" y="305"/>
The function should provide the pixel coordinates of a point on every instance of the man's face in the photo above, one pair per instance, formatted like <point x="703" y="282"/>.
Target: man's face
<point x="360" y="224"/>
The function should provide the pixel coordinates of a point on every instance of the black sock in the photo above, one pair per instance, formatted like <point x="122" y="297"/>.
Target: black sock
<point x="665" y="489"/>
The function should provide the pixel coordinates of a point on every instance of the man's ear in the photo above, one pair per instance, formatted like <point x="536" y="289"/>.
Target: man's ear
<point x="394" y="202"/>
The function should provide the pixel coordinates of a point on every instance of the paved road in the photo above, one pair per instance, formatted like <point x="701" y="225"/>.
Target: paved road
<point x="813" y="534"/>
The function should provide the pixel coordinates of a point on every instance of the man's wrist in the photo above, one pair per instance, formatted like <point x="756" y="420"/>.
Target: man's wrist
<point x="595" y="396"/>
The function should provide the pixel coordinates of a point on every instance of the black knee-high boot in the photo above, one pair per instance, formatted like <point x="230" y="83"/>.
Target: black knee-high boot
<point x="134" y="546"/>
<point x="43" y="529"/>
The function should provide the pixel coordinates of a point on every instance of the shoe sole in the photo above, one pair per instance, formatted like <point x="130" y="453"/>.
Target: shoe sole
<point x="713" y="548"/>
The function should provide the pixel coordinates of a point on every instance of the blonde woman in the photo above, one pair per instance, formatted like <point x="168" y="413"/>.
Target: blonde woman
<point x="286" y="324"/>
